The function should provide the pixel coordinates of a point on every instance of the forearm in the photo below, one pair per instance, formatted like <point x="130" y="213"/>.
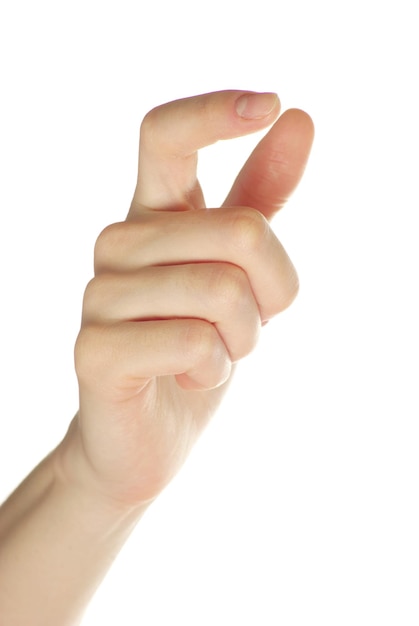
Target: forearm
<point x="56" y="544"/>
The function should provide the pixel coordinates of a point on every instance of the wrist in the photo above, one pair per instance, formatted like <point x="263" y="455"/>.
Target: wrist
<point x="73" y="473"/>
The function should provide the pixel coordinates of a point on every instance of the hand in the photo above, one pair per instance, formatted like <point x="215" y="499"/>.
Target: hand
<point x="180" y="293"/>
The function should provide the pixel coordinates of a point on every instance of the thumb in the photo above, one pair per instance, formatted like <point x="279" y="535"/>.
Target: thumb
<point x="276" y="165"/>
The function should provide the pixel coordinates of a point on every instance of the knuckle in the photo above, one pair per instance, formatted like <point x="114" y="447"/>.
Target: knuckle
<point x="148" y="125"/>
<point x="121" y="243"/>
<point x="99" y="357"/>
<point x="88" y="353"/>
<point x="200" y="340"/>
<point x="109" y="239"/>
<point x="285" y="295"/>
<point x="95" y="298"/>
<point x="160" y="126"/>
<point x="151" y="134"/>
<point x="89" y="300"/>
<point x="228" y="286"/>
<point x="250" y="230"/>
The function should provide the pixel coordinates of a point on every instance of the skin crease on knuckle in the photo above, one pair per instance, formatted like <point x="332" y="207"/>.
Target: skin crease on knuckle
<point x="228" y="284"/>
<point x="210" y="362"/>
<point x="151" y="135"/>
<point x="156" y="131"/>
<point x="249" y="230"/>
<point x="250" y="233"/>
<point x="239" y="321"/>
<point x="101" y="354"/>
<point x="114" y="240"/>
<point x="110" y="238"/>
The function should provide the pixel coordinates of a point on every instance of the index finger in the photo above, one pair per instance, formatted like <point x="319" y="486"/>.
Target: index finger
<point x="171" y="135"/>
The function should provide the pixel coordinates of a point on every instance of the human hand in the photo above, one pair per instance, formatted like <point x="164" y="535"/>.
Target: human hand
<point x="180" y="292"/>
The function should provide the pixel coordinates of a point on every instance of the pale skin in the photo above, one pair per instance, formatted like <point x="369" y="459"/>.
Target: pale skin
<point x="180" y="294"/>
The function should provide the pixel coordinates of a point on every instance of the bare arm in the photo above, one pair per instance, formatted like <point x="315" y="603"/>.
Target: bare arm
<point x="56" y="544"/>
<point x="179" y="295"/>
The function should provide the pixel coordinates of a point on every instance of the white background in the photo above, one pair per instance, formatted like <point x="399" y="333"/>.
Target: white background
<point x="300" y="503"/>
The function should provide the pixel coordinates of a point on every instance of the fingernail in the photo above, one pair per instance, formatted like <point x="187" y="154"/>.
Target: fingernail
<point x="254" y="106"/>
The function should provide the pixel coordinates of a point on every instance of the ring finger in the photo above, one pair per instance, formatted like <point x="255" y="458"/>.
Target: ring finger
<point x="219" y="293"/>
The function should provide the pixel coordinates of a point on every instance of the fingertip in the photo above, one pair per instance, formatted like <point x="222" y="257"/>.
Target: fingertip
<point x="302" y="123"/>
